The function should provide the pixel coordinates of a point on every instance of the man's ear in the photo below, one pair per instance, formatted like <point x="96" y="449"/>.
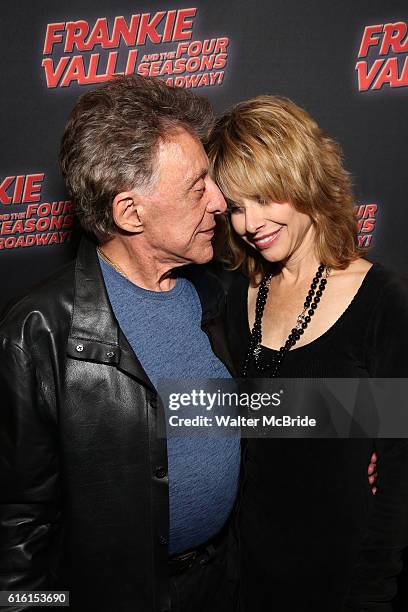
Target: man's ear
<point x="126" y="214"/>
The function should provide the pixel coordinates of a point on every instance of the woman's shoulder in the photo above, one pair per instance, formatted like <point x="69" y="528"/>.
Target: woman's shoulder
<point x="218" y="278"/>
<point x="386" y="335"/>
<point x="225" y="276"/>
<point x="378" y="286"/>
<point x="238" y="289"/>
<point x="389" y="289"/>
<point x="234" y="283"/>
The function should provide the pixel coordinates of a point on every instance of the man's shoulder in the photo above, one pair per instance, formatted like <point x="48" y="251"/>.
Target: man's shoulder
<point x="46" y="304"/>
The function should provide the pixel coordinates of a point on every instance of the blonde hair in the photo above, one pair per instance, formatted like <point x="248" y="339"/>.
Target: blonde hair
<point x="270" y="148"/>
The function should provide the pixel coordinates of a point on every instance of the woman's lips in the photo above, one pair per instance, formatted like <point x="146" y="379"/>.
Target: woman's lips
<point x="265" y="241"/>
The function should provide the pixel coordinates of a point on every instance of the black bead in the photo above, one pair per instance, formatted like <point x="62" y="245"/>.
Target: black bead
<point x="311" y="301"/>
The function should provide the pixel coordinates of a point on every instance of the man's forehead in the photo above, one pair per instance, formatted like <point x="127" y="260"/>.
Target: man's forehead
<point x="185" y="155"/>
<point x="180" y="138"/>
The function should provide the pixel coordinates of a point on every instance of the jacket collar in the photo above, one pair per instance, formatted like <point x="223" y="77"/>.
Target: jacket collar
<point x="95" y="334"/>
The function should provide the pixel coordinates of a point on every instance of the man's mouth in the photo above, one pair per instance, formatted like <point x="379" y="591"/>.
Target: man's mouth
<point x="265" y="241"/>
<point x="209" y="231"/>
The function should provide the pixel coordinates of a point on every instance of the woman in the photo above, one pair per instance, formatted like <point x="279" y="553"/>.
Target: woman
<point x="307" y="304"/>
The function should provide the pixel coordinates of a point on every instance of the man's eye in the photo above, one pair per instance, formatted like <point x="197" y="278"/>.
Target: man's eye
<point x="200" y="191"/>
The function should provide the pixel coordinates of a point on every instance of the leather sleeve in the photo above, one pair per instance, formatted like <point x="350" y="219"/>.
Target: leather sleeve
<point x="29" y="486"/>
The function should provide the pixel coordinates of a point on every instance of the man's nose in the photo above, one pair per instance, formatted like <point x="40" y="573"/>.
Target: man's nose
<point x="216" y="203"/>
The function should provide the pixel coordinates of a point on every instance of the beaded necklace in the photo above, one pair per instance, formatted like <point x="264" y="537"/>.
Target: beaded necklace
<point x="312" y="299"/>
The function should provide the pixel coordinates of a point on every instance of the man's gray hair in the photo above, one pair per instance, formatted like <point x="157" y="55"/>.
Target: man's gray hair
<point x="111" y="140"/>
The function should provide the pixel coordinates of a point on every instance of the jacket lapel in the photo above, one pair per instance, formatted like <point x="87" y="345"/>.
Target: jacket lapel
<point x="95" y="334"/>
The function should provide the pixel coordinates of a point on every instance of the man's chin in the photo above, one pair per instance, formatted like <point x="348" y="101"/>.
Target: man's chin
<point x="204" y="255"/>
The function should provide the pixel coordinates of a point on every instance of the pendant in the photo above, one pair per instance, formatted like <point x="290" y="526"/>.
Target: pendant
<point x="300" y="320"/>
<point x="257" y="351"/>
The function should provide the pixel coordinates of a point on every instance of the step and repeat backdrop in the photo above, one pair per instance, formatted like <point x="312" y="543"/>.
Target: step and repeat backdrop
<point x="345" y="62"/>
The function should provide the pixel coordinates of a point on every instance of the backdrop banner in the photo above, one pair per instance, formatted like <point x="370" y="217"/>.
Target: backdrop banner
<point x="346" y="63"/>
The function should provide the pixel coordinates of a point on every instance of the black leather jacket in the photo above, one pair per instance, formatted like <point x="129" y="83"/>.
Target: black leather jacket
<point x="84" y="488"/>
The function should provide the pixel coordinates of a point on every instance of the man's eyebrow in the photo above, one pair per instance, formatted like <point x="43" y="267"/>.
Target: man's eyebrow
<point x="192" y="181"/>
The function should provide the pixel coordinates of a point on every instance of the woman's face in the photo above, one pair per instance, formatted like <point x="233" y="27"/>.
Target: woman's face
<point x="275" y="229"/>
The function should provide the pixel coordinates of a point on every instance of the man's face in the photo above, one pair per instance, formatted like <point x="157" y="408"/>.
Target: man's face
<point x="178" y="215"/>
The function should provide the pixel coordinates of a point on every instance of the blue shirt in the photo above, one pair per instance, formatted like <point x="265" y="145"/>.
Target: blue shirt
<point x="164" y="330"/>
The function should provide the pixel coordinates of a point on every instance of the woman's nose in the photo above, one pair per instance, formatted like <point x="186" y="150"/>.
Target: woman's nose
<point x="254" y="219"/>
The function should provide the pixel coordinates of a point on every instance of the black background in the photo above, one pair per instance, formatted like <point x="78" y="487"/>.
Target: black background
<point x="304" y="50"/>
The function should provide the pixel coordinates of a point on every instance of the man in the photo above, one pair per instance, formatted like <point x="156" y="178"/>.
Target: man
<point x="86" y="482"/>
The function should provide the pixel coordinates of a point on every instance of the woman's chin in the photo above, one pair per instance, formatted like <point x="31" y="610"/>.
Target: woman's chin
<point x="273" y="254"/>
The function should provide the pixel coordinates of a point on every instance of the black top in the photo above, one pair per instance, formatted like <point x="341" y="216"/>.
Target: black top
<point x="312" y="535"/>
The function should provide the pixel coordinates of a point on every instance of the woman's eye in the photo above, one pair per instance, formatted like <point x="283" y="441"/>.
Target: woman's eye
<point x="261" y="200"/>
<point x="233" y="208"/>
